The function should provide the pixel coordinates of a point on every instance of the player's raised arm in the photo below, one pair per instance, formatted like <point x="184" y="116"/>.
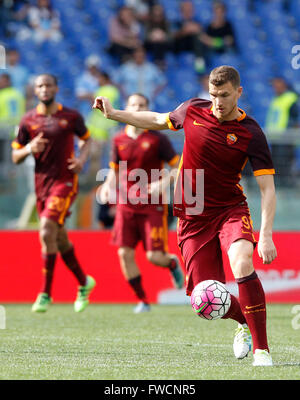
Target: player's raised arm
<point x="140" y="119"/>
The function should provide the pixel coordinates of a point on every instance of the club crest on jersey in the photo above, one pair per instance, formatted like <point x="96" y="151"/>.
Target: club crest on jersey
<point x="145" y="145"/>
<point x="63" y="123"/>
<point x="231" y="138"/>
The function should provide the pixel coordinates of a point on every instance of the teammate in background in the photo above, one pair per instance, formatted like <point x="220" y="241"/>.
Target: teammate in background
<point x="48" y="132"/>
<point x="219" y="139"/>
<point x="145" y="150"/>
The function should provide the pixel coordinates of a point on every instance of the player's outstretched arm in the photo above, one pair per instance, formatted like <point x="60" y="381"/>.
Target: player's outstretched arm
<point x="266" y="248"/>
<point x="140" y="119"/>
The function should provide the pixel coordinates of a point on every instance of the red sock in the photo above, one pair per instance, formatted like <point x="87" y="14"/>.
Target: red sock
<point x="48" y="270"/>
<point x="253" y="305"/>
<point x="235" y="311"/>
<point x="72" y="263"/>
<point x="136" y="284"/>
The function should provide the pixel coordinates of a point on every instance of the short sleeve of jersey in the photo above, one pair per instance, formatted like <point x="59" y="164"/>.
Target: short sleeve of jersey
<point x="166" y="151"/>
<point x="114" y="156"/>
<point x="258" y="151"/>
<point x="80" y="128"/>
<point x="23" y="136"/>
<point x="176" y="118"/>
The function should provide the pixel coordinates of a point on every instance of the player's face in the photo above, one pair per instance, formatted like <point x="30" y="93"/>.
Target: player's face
<point x="45" y="89"/>
<point x="224" y="99"/>
<point x="137" y="103"/>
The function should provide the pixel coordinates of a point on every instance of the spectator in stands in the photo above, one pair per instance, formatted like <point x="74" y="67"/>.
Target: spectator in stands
<point x="18" y="73"/>
<point x="187" y="33"/>
<point x="13" y="17"/>
<point x="30" y="97"/>
<point x="204" y="92"/>
<point x="219" y="35"/>
<point x="100" y="127"/>
<point x="87" y="83"/>
<point x="12" y="102"/>
<point x="124" y="34"/>
<point x="141" y="8"/>
<point x="282" y="114"/>
<point x="140" y="76"/>
<point x="43" y="23"/>
<point x="157" y="34"/>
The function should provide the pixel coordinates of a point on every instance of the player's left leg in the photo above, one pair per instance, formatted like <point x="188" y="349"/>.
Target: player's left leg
<point x="133" y="276"/>
<point x="126" y="236"/>
<point x="170" y="261"/>
<point x="251" y="297"/>
<point x="154" y="232"/>
<point x="48" y="233"/>
<point x="86" y="282"/>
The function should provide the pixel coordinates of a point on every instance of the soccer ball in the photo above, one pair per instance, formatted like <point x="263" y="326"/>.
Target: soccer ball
<point x="210" y="299"/>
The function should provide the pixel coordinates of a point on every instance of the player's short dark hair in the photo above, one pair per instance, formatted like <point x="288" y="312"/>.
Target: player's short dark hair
<point x="223" y="74"/>
<point x="138" y="94"/>
<point x="53" y="77"/>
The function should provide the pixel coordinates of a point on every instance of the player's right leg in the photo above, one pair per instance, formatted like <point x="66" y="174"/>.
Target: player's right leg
<point x="203" y="260"/>
<point x="132" y="275"/>
<point x="48" y="234"/>
<point x="126" y="236"/>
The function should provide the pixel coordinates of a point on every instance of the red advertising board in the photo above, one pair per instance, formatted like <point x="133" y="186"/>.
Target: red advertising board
<point x="21" y="270"/>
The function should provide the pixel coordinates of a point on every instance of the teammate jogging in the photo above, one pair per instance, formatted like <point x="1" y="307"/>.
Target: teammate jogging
<point x="48" y="133"/>
<point x="142" y="152"/>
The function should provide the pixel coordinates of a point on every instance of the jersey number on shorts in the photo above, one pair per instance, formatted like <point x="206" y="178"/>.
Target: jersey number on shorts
<point x="247" y="224"/>
<point x="157" y="233"/>
<point x="56" y="203"/>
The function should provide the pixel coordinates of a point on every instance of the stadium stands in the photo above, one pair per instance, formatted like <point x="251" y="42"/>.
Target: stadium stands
<point x="265" y="37"/>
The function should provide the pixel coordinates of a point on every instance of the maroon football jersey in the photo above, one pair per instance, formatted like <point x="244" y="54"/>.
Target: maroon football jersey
<point x="218" y="152"/>
<point x="143" y="155"/>
<point x="59" y="128"/>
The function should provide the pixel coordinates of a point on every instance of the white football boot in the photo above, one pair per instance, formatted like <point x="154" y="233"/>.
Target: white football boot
<point x="262" y="358"/>
<point x="242" y="341"/>
<point x="141" y="308"/>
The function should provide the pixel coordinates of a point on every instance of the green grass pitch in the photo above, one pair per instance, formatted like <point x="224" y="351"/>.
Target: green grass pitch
<point x="110" y="342"/>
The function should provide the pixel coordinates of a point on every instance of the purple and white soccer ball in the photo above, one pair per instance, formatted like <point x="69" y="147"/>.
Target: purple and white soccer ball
<point x="210" y="299"/>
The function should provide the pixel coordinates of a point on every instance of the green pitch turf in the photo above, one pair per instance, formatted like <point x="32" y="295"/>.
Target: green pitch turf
<point x="110" y="342"/>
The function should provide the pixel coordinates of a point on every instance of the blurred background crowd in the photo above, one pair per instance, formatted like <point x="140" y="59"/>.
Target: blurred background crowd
<point x="164" y="49"/>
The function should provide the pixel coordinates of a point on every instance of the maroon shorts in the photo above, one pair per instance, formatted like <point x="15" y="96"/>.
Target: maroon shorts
<point x="201" y="243"/>
<point x="56" y="205"/>
<point x="130" y="227"/>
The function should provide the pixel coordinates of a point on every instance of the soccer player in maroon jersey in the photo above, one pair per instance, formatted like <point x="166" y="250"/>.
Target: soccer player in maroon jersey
<point x="219" y="139"/>
<point x="136" y="218"/>
<point x="47" y="132"/>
